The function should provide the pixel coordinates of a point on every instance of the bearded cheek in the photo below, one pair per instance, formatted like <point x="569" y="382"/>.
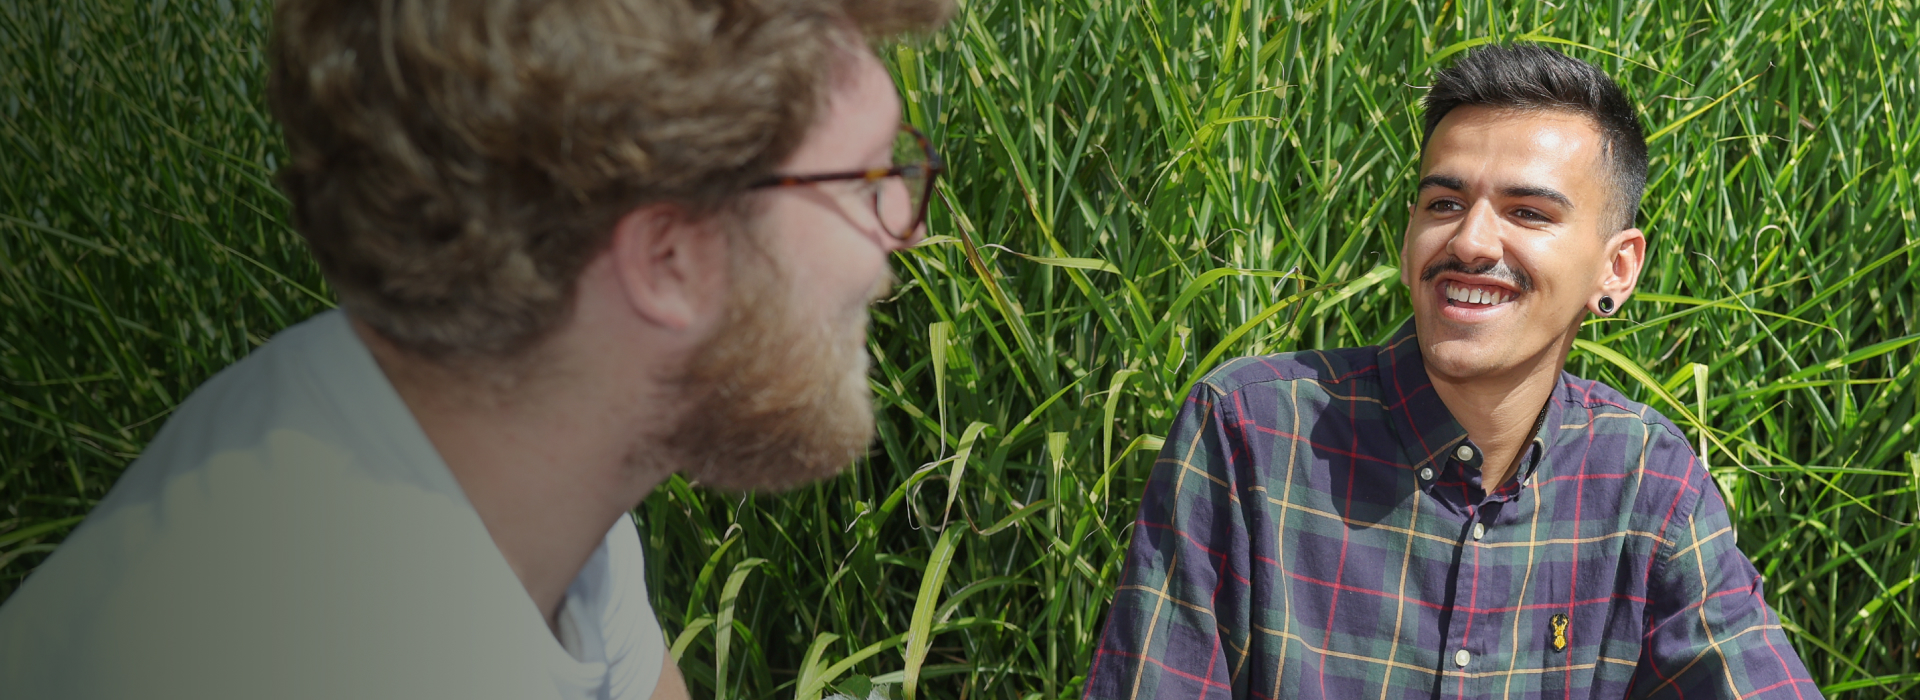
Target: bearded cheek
<point x="783" y="403"/>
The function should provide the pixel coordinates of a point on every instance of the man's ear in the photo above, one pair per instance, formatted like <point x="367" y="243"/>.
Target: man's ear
<point x="1626" y="256"/>
<point x="672" y="268"/>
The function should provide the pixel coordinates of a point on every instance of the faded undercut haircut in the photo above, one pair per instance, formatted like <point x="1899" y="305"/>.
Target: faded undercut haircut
<point x="455" y="164"/>
<point x="1527" y="77"/>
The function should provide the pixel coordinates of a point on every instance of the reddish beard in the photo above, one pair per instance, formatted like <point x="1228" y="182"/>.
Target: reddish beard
<point x="778" y="397"/>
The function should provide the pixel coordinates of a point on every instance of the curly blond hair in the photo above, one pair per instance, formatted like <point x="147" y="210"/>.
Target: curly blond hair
<point x="456" y="163"/>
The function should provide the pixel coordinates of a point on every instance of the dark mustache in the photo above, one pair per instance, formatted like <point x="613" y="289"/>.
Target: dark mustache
<point x="1518" y="279"/>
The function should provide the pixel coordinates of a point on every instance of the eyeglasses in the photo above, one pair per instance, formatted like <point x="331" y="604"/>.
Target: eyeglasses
<point x="900" y="193"/>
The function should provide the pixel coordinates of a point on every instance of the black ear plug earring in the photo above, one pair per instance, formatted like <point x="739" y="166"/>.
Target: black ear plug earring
<point x="1606" y="306"/>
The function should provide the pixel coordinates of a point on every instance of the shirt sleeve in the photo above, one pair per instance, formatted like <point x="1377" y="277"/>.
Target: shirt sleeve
<point x="1711" y="634"/>
<point x="1178" y="625"/>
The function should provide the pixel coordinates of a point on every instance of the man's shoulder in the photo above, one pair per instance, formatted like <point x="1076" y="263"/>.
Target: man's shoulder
<point x="1618" y="436"/>
<point x="299" y="407"/>
<point x="1606" y="406"/>
<point x="1319" y="367"/>
<point x="282" y="563"/>
<point x="262" y="526"/>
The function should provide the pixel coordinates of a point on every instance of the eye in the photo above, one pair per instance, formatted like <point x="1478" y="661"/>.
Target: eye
<point x="1444" y="205"/>
<point x="1531" y="215"/>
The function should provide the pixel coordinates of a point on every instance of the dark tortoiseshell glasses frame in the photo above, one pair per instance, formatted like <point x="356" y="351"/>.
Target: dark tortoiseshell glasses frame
<point x="919" y="175"/>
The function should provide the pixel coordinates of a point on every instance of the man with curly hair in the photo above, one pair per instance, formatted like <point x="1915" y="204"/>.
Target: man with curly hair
<point x="579" y="246"/>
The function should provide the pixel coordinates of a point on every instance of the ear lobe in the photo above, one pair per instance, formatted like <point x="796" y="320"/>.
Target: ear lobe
<point x="666" y="265"/>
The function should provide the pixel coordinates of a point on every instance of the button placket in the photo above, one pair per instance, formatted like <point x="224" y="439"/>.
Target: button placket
<point x="1467" y="458"/>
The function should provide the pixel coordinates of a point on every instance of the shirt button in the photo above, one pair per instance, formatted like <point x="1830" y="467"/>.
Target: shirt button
<point x="1479" y="531"/>
<point x="1461" y="657"/>
<point x="1426" y="473"/>
<point x="1464" y="453"/>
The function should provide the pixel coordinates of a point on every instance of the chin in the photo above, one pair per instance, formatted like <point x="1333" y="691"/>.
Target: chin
<point x="1486" y="355"/>
<point x="1463" y="359"/>
<point x="1460" y="352"/>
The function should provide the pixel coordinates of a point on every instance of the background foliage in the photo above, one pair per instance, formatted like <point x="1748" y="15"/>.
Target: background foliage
<point x="1139" y="189"/>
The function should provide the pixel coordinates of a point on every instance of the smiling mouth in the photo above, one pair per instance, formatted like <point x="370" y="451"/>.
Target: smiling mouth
<point x="1475" y="296"/>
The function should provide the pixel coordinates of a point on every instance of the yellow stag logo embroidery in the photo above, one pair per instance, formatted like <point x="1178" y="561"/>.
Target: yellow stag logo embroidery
<point x="1559" y="623"/>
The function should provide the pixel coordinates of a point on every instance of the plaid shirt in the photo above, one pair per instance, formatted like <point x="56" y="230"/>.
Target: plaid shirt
<point x="1316" y="528"/>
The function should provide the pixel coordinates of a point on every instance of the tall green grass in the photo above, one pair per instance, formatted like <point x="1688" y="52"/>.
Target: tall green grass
<point x="1138" y="190"/>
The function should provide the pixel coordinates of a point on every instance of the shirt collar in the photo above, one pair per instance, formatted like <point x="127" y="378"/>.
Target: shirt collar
<point x="1427" y="430"/>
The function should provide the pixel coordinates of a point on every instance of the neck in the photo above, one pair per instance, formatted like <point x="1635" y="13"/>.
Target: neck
<point x="543" y="460"/>
<point x="1499" y="411"/>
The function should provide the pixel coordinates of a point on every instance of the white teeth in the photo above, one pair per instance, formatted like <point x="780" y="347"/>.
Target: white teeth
<point x="1477" y="296"/>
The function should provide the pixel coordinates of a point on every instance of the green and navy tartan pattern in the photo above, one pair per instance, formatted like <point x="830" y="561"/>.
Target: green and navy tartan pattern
<point x="1315" y="528"/>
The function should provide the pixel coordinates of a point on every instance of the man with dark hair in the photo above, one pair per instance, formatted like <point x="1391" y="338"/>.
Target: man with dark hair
<point x="1451" y="514"/>
<point x="579" y="246"/>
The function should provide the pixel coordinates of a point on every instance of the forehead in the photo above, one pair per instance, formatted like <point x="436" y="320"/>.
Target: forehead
<point x="856" y="130"/>
<point x="1488" y="147"/>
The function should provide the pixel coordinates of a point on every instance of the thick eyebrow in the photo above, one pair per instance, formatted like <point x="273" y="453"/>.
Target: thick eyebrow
<point x="1546" y="193"/>
<point x="1456" y="184"/>
<point x="1445" y="181"/>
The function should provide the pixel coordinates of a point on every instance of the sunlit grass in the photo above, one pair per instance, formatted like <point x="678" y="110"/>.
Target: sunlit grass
<point x="1139" y="190"/>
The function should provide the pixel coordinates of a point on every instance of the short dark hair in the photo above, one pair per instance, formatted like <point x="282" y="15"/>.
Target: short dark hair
<point x="1528" y="77"/>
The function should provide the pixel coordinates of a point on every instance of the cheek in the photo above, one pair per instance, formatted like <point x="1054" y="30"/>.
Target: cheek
<point x="830" y="265"/>
<point x="1554" y="268"/>
<point x="1417" y="251"/>
<point x="847" y="270"/>
<point x="1406" y="259"/>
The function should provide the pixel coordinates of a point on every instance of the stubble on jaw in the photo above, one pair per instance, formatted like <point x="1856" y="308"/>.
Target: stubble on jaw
<point x="777" y="398"/>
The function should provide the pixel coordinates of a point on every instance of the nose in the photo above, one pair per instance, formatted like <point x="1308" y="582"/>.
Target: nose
<point x="913" y="238"/>
<point x="890" y="243"/>
<point x="895" y="207"/>
<point x="893" y="210"/>
<point x="1478" y="236"/>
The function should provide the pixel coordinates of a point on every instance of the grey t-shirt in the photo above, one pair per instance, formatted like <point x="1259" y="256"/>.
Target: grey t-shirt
<point x="291" y="533"/>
